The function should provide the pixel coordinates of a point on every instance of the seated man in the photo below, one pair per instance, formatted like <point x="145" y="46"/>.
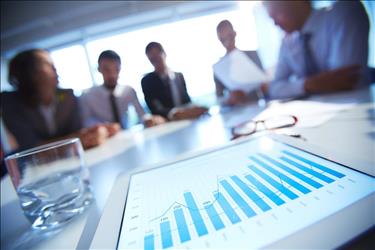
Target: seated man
<point x="38" y="111"/>
<point x="164" y="90"/>
<point x="323" y="50"/>
<point x="227" y="36"/>
<point x="8" y="145"/>
<point x="109" y="102"/>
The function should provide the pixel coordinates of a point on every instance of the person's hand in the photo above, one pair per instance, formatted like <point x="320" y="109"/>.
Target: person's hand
<point x="112" y="128"/>
<point x="153" y="120"/>
<point x="340" y="79"/>
<point x="189" y="112"/>
<point x="264" y="88"/>
<point x="236" y="97"/>
<point x="94" y="136"/>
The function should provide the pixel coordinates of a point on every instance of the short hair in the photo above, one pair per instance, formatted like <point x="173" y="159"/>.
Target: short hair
<point x="153" y="45"/>
<point x="224" y="23"/>
<point x="20" y="73"/>
<point x="109" y="54"/>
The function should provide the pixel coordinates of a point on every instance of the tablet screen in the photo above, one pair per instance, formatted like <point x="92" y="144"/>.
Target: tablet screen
<point x="247" y="195"/>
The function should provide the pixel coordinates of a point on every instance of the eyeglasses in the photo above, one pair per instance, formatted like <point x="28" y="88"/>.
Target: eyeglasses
<point x="276" y="122"/>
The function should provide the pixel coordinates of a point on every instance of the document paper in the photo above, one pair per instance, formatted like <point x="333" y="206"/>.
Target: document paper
<point x="238" y="72"/>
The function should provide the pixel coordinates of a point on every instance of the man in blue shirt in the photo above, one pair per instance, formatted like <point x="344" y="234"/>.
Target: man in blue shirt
<point x="323" y="50"/>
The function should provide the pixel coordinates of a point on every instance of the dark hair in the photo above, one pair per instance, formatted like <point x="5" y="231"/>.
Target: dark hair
<point x="223" y="24"/>
<point x="153" y="45"/>
<point x="109" y="54"/>
<point x="20" y="73"/>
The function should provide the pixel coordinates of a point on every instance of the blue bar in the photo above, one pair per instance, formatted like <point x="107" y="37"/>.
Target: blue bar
<point x="317" y="165"/>
<point x="228" y="210"/>
<point x="293" y="172"/>
<point x="182" y="227"/>
<point x="166" y="234"/>
<point x="282" y="176"/>
<point x="274" y="183"/>
<point x="276" y="199"/>
<point x="251" y="194"/>
<point x="149" y="242"/>
<point x="195" y="214"/>
<point x="214" y="217"/>
<point x="308" y="170"/>
<point x="238" y="199"/>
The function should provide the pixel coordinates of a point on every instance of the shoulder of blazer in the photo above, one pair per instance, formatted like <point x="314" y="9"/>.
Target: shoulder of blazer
<point x="151" y="81"/>
<point x="8" y="94"/>
<point x="180" y="75"/>
<point x="65" y="95"/>
<point x="9" y="99"/>
<point x="148" y="78"/>
<point x="65" y="91"/>
<point x="253" y="55"/>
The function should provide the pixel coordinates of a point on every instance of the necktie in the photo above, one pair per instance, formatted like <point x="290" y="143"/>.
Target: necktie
<point x="115" y="112"/>
<point x="311" y="67"/>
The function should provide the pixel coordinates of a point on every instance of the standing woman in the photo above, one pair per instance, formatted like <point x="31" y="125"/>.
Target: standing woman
<point x="38" y="111"/>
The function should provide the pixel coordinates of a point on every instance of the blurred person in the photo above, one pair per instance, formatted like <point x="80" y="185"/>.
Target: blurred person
<point x="165" y="90"/>
<point x="3" y="170"/>
<point x="323" y="50"/>
<point x="109" y="102"/>
<point x="227" y="36"/>
<point x="39" y="112"/>
<point x="8" y="141"/>
<point x="8" y="146"/>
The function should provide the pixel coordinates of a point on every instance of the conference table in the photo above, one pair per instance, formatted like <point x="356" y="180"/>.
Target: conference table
<point x="342" y="123"/>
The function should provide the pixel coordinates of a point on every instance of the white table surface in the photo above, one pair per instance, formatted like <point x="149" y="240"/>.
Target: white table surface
<point x="351" y="131"/>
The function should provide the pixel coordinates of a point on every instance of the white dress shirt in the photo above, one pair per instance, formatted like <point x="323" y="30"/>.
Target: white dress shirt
<point x="96" y="106"/>
<point x="48" y="113"/>
<point x="339" y="37"/>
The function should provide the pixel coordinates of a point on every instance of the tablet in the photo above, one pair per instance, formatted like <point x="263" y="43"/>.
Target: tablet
<point x="255" y="193"/>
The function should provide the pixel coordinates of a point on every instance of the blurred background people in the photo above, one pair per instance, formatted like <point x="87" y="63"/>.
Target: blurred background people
<point x="38" y="111"/>
<point x="323" y="50"/>
<point x="227" y="36"/>
<point x="8" y="146"/>
<point x="109" y="102"/>
<point x="165" y="91"/>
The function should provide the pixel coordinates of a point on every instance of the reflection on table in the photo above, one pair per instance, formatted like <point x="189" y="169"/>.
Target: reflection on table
<point x="347" y="127"/>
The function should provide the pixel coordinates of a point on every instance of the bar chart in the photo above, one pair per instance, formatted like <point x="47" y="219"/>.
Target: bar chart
<point x="239" y="191"/>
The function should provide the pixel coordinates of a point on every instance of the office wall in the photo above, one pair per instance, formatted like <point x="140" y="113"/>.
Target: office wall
<point x="29" y="21"/>
<point x="51" y="24"/>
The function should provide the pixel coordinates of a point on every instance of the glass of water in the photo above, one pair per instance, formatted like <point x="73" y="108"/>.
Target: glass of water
<point x="52" y="182"/>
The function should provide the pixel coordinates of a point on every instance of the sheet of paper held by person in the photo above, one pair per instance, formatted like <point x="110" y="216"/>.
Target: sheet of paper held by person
<point x="238" y="72"/>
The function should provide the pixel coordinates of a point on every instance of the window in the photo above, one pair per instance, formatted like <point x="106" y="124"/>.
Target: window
<point x="191" y="45"/>
<point x="72" y="67"/>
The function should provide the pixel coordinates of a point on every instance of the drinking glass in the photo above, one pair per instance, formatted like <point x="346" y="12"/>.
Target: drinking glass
<point x="52" y="182"/>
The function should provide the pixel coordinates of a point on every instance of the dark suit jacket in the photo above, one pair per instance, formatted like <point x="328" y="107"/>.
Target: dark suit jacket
<point x="158" y="94"/>
<point x="27" y="124"/>
<point x="253" y="55"/>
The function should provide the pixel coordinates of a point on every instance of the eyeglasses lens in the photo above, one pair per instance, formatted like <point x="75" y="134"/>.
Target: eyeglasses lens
<point x="246" y="128"/>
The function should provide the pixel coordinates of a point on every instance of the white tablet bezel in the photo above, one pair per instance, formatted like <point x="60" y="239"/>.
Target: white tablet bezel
<point x="109" y="226"/>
